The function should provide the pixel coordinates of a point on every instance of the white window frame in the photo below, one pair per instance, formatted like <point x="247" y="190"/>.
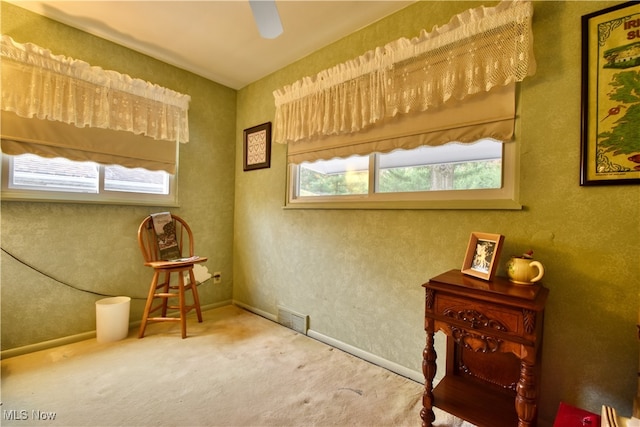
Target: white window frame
<point x="505" y="197"/>
<point x="102" y="197"/>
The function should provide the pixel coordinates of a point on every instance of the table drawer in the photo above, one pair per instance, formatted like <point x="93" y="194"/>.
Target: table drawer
<point x="481" y="316"/>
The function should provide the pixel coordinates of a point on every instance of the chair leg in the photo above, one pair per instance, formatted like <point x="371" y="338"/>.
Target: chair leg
<point x="165" y="301"/>
<point x="147" y="306"/>
<point x="196" y="298"/>
<point x="183" y="314"/>
<point x="165" y="288"/>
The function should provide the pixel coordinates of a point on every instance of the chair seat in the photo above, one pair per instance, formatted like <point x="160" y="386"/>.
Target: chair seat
<point x="163" y="265"/>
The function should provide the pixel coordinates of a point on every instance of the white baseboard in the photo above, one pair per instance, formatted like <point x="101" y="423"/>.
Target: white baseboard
<point x="44" y="345"/>
<point x="70" y="339"/>
<point x="214" y="305"/>
<point x="369" y="357"/>
<point x="257" y="311"/>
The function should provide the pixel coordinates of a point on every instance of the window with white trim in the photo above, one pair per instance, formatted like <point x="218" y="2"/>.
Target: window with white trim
<point x="475" y="175"/>
<point x="92" y="136"/>
<point x="35" y="178"/>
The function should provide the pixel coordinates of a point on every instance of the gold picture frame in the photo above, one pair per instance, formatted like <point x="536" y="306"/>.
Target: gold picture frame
<point x="610" y="77"/>
<point x="483" y="255"/>
<point x="257" y="147"/>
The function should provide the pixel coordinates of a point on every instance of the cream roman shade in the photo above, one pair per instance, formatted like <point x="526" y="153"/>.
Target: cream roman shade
<point x="57" y="106"/>
<point x="456" y="83"/>
<point x="486" y="115"/>
<point x="48" y="138"/>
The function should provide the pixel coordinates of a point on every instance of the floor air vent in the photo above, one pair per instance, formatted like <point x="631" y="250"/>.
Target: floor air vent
<point x="297" y="322"/>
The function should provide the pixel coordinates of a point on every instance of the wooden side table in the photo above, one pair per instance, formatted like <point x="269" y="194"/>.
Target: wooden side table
<point x="494" y="332"/>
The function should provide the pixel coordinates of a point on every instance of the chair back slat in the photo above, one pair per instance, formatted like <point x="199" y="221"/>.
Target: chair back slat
<point x="148" y="242"/>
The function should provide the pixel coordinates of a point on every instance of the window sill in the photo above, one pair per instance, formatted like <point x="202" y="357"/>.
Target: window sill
<point x="55" y="197"/>
<point x="409" y="205"/>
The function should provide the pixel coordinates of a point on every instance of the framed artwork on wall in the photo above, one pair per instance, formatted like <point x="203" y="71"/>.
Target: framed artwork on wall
<point x="483" y="255"/>
<point x="257" y="147"/>
<point x="610" y="96"/>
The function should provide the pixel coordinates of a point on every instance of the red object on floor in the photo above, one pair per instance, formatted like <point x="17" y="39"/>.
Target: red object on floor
<point x="570" y="416"/>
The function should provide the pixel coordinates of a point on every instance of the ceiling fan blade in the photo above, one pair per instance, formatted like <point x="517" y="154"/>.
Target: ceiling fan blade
<point x="265" y="13"/>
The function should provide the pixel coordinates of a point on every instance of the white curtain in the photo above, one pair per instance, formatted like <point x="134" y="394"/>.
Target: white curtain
<point x="476" y="51"/>
<point x="38" y="84"/>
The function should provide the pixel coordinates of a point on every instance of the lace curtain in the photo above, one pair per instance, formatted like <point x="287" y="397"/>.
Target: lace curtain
<point x="38" y="84"/>
<point x="477" y="50"/>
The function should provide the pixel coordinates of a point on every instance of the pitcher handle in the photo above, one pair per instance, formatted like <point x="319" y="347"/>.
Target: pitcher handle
<point x="540" y="268"/>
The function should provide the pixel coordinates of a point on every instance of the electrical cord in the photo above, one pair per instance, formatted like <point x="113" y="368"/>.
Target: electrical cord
<point x="76" y="288"/>
<point x="58" y="280"/>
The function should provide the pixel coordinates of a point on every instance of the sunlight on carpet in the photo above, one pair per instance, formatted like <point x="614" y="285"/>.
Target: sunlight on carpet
<point x="234" y="369"/>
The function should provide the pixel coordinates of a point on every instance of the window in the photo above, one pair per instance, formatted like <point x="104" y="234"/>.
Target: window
<point x="478" y="175"/>
<point x="30" y="177"/>
<point x="457" y="83"/>
<point x="441" y="168"/>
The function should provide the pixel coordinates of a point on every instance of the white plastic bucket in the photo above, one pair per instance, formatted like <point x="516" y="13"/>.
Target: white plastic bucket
<point x="112" y="318"/>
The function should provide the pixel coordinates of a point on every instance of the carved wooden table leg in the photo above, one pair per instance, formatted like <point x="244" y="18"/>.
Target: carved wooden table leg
<point x="526" y="395"/>
<point x="429" y="371"/>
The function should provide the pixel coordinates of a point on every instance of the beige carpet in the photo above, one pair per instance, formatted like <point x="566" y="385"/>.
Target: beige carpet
<point x="234" y="369"/>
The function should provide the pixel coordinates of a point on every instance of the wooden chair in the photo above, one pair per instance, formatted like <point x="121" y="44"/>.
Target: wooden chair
<point x="164" y="291"/>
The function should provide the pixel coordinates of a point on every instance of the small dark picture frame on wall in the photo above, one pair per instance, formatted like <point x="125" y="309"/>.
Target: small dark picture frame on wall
<point x="257" y="147"/>
<point x="610" y="107"/>
<point x="483" y="255"/>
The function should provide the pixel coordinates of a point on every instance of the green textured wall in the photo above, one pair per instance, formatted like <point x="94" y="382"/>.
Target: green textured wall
<point x="358" y="273"/>
<point x="94" y="247"/>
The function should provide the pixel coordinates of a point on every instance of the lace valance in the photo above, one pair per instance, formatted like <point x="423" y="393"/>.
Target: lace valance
<point x="36" y="83"/>
<point x="478" y="49"/>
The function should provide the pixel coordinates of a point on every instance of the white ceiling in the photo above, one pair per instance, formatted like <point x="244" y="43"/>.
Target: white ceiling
<point x="218" y="39"/>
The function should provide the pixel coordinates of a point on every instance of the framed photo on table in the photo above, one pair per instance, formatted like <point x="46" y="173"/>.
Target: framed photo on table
<point x="610" y="98"/>
<point x="483" y="255"/>
<point x="257" y="147"/>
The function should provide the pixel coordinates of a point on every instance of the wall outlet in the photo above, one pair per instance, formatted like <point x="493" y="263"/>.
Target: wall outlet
<point x="217" y="277"/>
